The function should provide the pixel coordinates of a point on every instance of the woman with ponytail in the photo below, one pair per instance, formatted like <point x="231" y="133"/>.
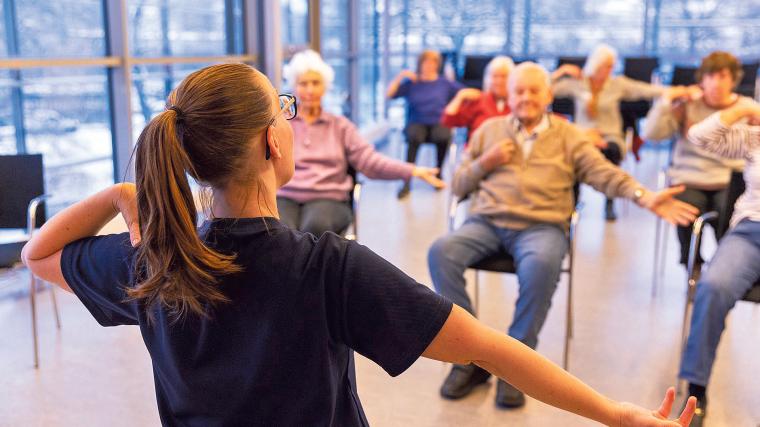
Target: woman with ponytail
<point x="248" y="322"/>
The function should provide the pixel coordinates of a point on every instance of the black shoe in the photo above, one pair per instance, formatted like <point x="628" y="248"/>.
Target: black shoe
<point x="404" y="191"/>
<point x="462" y="379"/>
<point x="508" y="397"/>
<point x="700" y="392"/>
<point x="609" y="211"/>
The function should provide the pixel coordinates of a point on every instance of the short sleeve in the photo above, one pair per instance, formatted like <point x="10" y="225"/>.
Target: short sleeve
<point x="403" y="89"/>
<point x="454" y="87"/>
<point x="98" y="269"/>
<point x="388" y="317"/>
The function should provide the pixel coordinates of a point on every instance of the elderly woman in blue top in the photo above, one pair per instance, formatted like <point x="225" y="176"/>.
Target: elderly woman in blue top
<point x="597" y="96"/>
<point x="315" y="199"/>
<point x="427" y="93"/>
<point x="246" y="321"/>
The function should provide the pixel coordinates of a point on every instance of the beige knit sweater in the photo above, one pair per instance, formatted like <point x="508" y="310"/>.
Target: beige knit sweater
<point x="538" y="189"/>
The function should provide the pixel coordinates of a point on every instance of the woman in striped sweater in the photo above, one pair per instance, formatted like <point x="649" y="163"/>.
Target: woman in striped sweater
<point x="733" y="133"/>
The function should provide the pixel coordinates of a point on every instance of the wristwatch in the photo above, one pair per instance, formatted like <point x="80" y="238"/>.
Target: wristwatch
<point x="638" y="194"/>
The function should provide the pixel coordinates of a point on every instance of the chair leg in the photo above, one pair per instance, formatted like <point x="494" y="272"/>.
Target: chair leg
<point x="664" y="252"/>
<point x="685" y="328"/>
<point x="476" y="292"/>
<point x="55" y="305"/>
<point x="568" y="319"/>
<point x="656" y="261"/>
<point x="33" y="301"/>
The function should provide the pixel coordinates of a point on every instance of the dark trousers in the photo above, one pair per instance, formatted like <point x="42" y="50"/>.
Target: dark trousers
<point x="612" y="153"/>
<point x="316" y="216"/>
<point x="417" y="134"/>
<point x="705" y="201"/>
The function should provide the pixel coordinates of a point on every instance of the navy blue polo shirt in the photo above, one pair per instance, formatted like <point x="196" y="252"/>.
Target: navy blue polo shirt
<point x="280" y="352"/>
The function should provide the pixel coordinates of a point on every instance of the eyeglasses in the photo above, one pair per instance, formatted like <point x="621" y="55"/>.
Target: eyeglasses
<point x="288" y="109"/>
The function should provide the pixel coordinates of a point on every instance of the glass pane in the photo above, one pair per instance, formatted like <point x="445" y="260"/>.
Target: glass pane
<point x="295" y="22"/>
<point x="336" y="98"/>
<point x="334" y="26"/>
<point x="62" y="28"/>
<point x="691" y="29"/>
<point x="7" y="128"/>
<point x="575" y="27"/>
<point x="3" y="46"/>
<point x="67" y="119"/>
<point x="371" y="91"/>
<point x="151" y="86"/>
<point x="179" y="28"/>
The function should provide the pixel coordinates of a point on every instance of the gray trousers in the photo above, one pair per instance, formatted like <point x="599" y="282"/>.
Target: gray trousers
<point x="316" y="216"/>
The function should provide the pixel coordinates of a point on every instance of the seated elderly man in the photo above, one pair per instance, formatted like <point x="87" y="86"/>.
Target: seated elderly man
<point x="520" y="170"/>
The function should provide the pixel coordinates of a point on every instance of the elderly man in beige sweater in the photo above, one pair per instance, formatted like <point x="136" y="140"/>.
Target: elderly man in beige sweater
<point x="519" y="171"/>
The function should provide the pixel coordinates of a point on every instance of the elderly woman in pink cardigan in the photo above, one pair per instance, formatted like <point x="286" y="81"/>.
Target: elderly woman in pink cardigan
<point x="325" y="145"/>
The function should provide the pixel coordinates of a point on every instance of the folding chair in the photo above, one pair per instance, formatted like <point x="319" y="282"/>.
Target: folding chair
<point x="502" y="262"/>
<point x="735" y="188"/>
<point x="22" y="210"/>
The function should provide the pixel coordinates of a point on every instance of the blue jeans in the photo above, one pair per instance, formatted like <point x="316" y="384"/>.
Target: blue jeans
<point x="538" y="252"/>
<point x="733" y="270"/>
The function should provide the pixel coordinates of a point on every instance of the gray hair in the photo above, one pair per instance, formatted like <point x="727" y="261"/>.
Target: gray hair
<point x="497" y="62"/>
<point x="529" y="67"/>
<point x="598" y="55"/>
<point x="304" y="61"/>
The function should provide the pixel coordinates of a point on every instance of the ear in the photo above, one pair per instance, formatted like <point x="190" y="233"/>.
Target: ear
<point x="274" y="145"/>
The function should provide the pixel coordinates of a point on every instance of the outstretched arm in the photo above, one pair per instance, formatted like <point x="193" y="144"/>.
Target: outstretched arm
<point x="463" y="339"/>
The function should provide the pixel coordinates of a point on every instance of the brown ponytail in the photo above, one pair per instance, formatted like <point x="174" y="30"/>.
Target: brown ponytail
<point x="207" y="132"/>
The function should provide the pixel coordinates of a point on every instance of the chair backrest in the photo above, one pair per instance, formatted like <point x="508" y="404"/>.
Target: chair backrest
<point x="566" y="106"/>
<point x="575" y="60"/>
<point x="683" y="76"/>
<point x="736" y="188"/>
<point x="640" y="67"/>
<point x="474" y="68"/>
<point x="747" y="86"/>
<point x="353" y="174"/>
<point x="21" y="180"/>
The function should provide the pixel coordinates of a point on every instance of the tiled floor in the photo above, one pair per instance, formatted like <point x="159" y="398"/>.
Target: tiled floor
<point x="626" y="342"/>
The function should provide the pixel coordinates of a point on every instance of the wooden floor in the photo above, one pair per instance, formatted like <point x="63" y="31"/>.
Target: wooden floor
<point x="626" y="342"/>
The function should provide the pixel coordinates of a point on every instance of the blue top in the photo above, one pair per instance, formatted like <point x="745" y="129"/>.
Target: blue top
<point x="426" y="100"/>
<point x="280" y="352"/>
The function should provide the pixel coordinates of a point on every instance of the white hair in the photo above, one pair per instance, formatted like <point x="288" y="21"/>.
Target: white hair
<point x="529" y="67"/>
<point x="305" y="61"/>
<point x="496" y="63"/>
<point x="597" y="57"/>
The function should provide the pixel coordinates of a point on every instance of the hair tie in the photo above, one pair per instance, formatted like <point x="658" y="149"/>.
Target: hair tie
<point x="180" y="114"/>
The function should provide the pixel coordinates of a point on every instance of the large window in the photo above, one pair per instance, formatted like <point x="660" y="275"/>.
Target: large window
<point x="295" y="23"/>
<point x="181" y="28"/>
<point x="62" y="87"/>
<point x="678" y="32"/>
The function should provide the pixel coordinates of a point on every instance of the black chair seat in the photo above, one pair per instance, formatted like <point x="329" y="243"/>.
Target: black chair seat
<point x="753" y="295"/>
<point x="500" y="262"/>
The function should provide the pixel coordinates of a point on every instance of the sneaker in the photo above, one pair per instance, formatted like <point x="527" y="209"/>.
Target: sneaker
<point x="462" y="380"/>
<point x="403" y="192"/>
<point x="609" y="211"/>
<point x="508" y="397"/>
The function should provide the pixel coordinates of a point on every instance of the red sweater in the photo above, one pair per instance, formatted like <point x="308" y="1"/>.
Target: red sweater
<point x="473" y="113"/>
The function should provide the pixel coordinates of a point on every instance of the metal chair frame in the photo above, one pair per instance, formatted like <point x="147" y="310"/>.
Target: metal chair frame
<point x="501" y="261"/>
<point x="752" y="295"/>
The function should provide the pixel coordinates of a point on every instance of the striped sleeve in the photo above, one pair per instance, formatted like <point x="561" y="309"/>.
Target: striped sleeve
<point x="733" y="141"/>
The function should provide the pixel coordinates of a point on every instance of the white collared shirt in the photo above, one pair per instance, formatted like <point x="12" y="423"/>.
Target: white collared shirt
<point x="526" y="139"/>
